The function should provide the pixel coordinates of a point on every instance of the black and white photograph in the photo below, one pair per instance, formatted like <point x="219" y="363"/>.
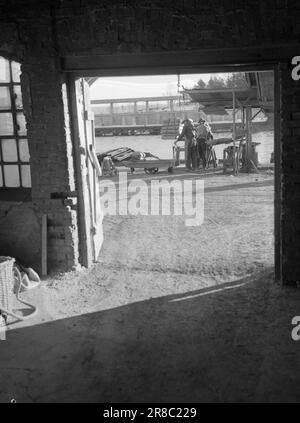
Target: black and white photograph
<point x="149" y="204"/>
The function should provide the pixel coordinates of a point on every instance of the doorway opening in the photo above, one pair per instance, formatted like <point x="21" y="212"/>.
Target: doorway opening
<point x="136" y="120"/>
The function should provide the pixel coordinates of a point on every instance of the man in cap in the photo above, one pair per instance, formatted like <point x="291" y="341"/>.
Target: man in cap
<point x="204" y="134"/>
<point x="189" y="134"/>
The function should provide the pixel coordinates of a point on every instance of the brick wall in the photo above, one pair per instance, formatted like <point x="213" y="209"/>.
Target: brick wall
<point x="39" y="32"/>
<point x="53" y="180"/>
<point x="170" y="25"/>
<point x="20" y="232"/>
<point x="290" y="162"/>
<point x="52" y="171"/>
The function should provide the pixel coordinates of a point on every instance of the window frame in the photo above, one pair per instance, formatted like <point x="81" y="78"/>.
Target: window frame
<point x="19" y="193"/>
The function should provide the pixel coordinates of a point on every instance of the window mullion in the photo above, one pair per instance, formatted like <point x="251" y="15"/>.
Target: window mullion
<point x="2" y="164"/>
<point x="15" y="122"/>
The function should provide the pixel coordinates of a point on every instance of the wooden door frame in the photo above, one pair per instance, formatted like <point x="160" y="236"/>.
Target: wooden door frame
<point x="113" y="65"/>
<point x="82" y="195"/>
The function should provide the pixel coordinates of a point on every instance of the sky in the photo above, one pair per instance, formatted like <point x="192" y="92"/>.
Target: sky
<point x="142" y="86"/>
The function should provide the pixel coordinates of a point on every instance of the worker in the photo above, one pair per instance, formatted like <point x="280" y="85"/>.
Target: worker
<point x="188" y="133"/>
<point x="204" y="134"/>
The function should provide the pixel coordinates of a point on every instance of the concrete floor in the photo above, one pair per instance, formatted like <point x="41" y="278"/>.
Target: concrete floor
<point x="140" y="326"/>
<point x="233" y="344"/>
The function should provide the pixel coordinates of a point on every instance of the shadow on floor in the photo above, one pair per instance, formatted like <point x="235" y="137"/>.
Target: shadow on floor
<point x="212" y="345"/>
<point x="257" y="184"/>
<point x="194" y="177"/>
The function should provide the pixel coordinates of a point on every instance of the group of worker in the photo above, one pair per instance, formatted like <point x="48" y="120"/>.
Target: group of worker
<point x="196" y="146"/>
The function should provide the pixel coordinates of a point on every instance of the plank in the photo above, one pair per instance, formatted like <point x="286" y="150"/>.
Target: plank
<point x="44" y="245"/>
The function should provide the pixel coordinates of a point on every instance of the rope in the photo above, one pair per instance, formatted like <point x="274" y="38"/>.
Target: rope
<point x="34" y="309"/>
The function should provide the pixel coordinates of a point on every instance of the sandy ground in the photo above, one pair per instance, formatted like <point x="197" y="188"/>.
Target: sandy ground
<point x="164" y="148"/>
<point x="169" y="313"/>
<point x="151" y="256"/>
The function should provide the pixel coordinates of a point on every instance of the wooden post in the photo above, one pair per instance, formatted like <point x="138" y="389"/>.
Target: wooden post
<point x="243" y="118"/>
<point x="135" y="113"/>
<point x="76" y="108"/>
<point x="44" y="245"/>
<point x="172" y="105"/>
<point x="235" y="167"/>
<point x="147" y="111"/>
<point x="248" y="137"/>
<point x="111" y="113"/>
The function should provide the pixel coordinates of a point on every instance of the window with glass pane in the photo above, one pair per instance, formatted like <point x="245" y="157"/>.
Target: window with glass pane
<point x="14" y="152"/>
<point x="4" y="98"/>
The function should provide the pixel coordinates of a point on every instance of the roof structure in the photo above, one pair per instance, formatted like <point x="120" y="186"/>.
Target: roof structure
<point x="258" y="94"/>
